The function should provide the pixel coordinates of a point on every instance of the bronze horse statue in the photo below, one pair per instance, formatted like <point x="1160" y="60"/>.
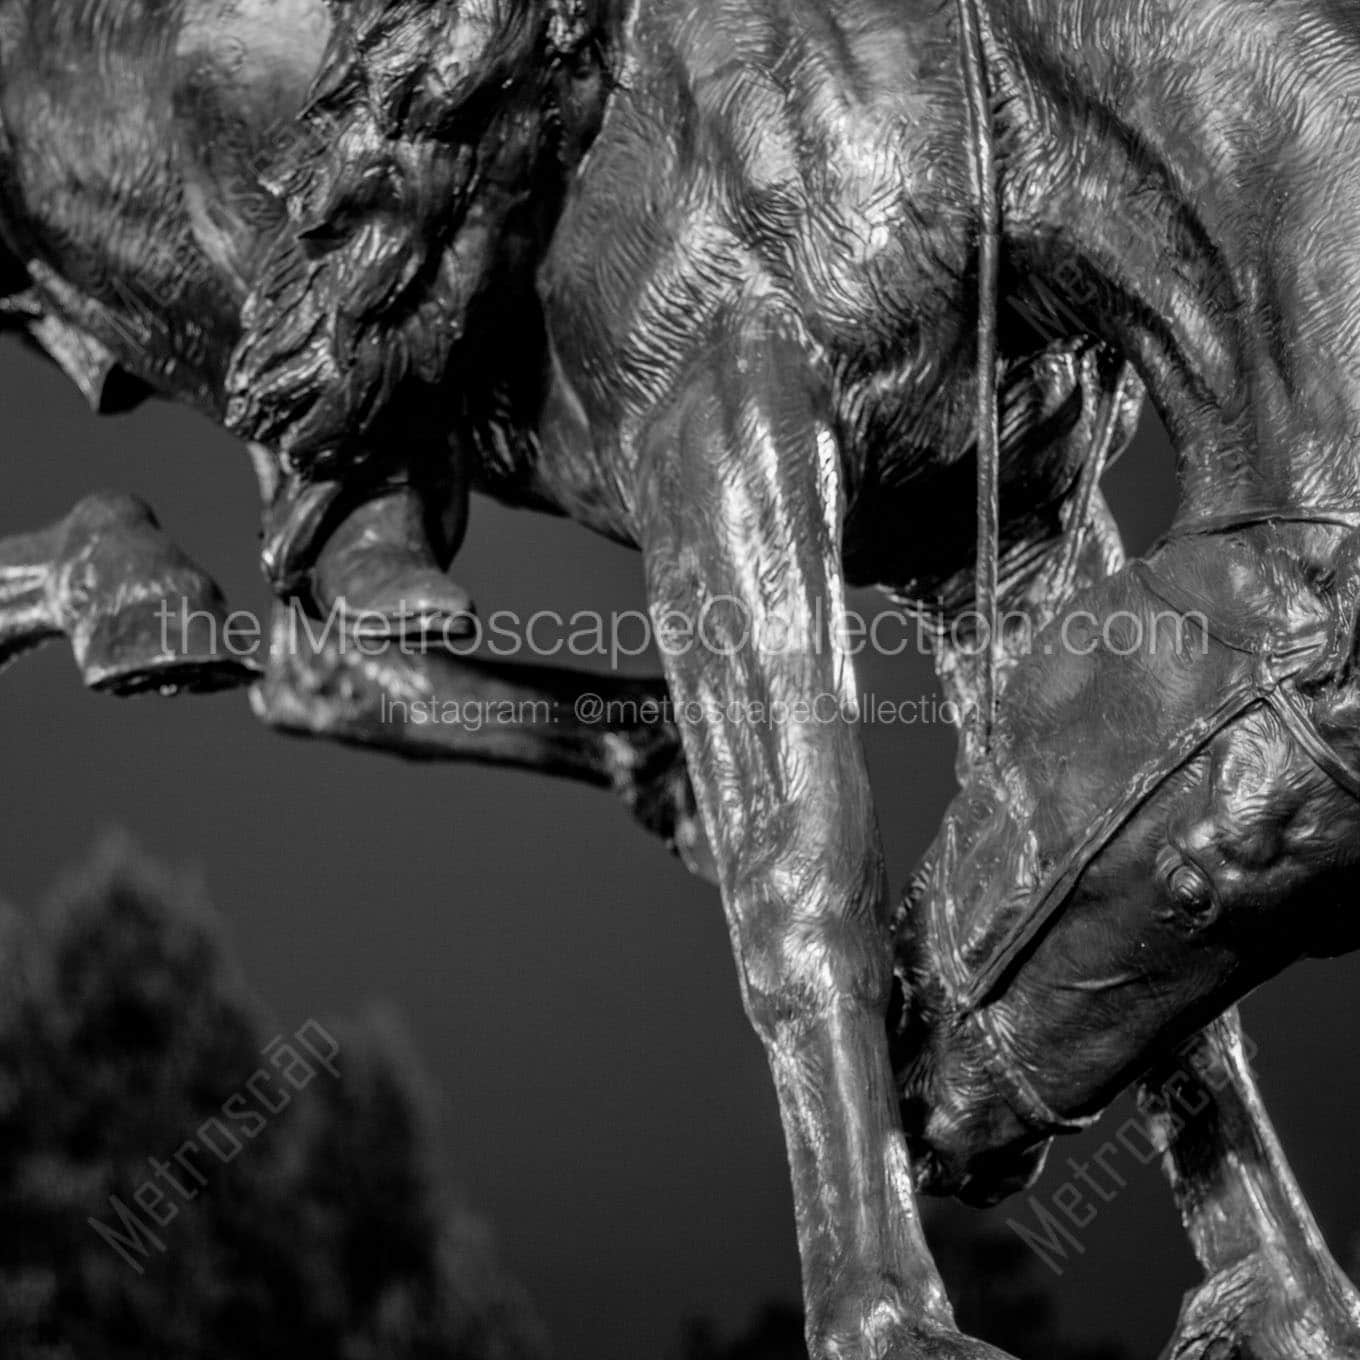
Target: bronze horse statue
<point x="715" y="279"/>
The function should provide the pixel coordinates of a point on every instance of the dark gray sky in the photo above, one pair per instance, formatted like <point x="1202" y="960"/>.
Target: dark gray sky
<point x="567" y="985"/>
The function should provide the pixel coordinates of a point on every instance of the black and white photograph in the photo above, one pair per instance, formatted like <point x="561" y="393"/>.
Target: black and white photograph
<point x="679" y="679"/>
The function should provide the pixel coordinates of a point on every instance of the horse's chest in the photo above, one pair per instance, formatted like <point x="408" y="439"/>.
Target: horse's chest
<point x="701" y="203"/>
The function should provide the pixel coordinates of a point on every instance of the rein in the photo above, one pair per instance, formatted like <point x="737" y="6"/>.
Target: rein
<point x="1270" y="681"/>
<point x="986" y="188"/>
<point x="986" y="572"/>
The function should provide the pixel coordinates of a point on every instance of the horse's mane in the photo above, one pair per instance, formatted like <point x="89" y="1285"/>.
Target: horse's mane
<point x="420" y="118"/>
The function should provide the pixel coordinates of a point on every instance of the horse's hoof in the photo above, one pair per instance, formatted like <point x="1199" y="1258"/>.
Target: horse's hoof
<point x="141" y="616"/>
<point x="148" y="648"/>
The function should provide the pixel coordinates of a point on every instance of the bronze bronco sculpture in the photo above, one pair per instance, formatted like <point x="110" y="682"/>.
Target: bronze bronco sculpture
<point x="759" y="286"/>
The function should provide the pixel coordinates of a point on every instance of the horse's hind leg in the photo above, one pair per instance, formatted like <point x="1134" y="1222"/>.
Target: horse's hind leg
<point x="609" y="731"/>
<point x="1272" y="1290"/>
<point x="138" y="613"/>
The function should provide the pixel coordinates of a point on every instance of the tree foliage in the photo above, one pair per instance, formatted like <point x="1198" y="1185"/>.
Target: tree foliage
<point x="124" y="1025"/>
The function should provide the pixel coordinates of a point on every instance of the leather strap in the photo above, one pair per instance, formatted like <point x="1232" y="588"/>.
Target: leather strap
<point x="1053" y="893"/>
<point x="1270" y="680"/>
<point x="985" y="190"/>
<point x="1338" y="517"/>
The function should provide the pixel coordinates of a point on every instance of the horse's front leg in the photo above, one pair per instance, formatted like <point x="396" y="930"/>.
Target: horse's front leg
<point x="1272" y="1290"/>
<point x="739" y="504"/>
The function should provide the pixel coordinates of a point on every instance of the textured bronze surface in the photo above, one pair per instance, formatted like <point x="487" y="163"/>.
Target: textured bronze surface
<point x="712" y="277"/>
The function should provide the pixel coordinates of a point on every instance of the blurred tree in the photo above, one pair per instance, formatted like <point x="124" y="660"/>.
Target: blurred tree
<point x="126" y="1033"/>
<point x="322" y="1229"/>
